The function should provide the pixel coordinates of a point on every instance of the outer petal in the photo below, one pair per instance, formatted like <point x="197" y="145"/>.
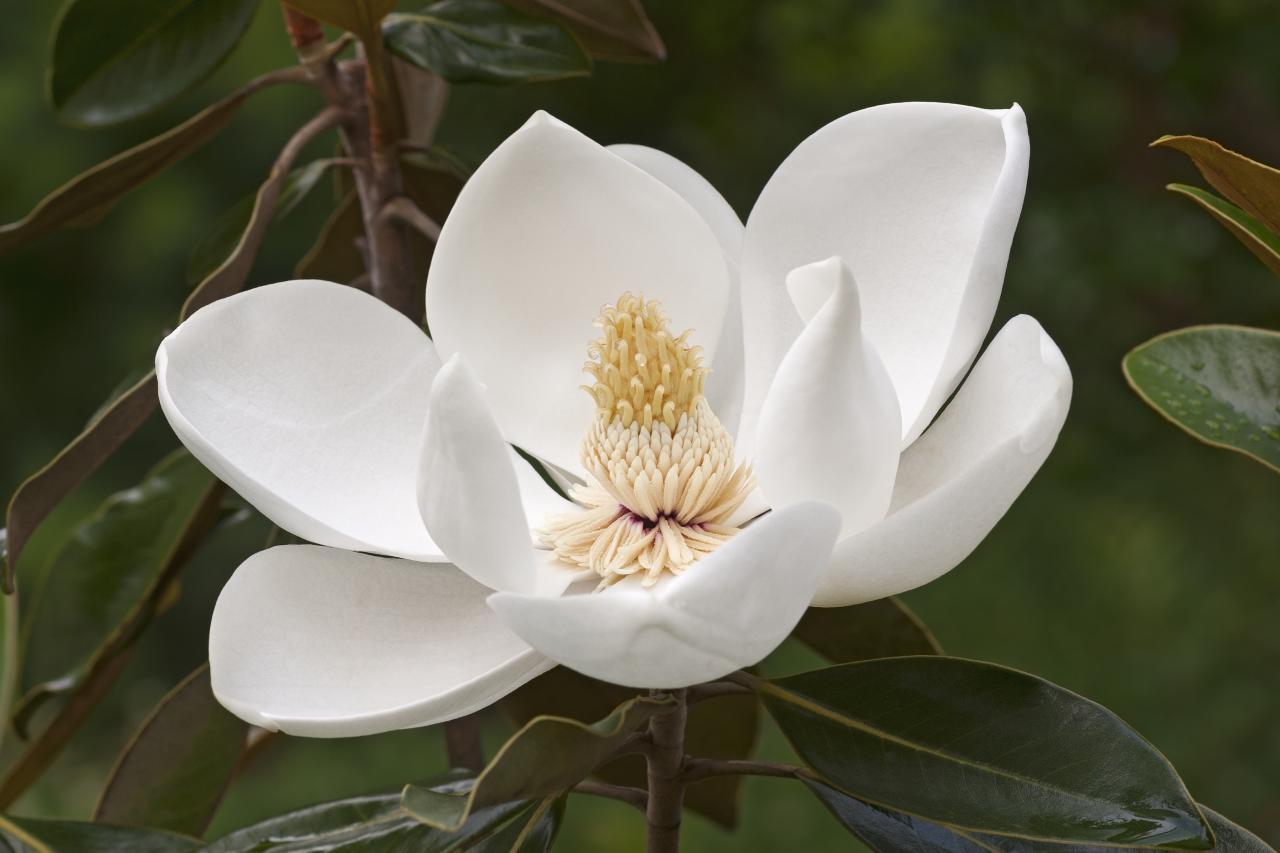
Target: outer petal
<point x="308" y="398"/>
<point x="921" y="200"/>
<point x="725" y="384"/>
<point x="467" y="487"/>
<point x="956" y="482"/>
<point x="727" y="611"/>
<point x="829" y="428"/>
<point x="328" y="643"/>
<point x="549" y="229"/>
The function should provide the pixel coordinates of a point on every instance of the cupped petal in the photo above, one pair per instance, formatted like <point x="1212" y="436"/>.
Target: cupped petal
<point x="725" y="384"/>
<point x="961" y="477"/>
<point x="727" y="611"/>
<point x="308" y="398"/>
<point x="548" y="230"/>
<point x="829" y="428"/>
<point x="468" y="492"/>
<point x="321" y="642"/>
<point x="921" y="200"/>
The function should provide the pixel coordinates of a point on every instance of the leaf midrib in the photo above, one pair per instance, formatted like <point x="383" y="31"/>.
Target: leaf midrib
<point x="866" y="728"/>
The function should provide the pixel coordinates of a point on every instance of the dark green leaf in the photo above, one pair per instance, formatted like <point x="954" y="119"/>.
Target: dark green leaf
<point x="1246" y="183"/>
<point x="724" y="727"/>
<point x="888" y="831"/>
<point x="116" y="60"/>
<point x="89" y="196"/>
<point x="104" y="583"/>
<point x="1255" y="236"/>
<point x="29" y="835"/>
<point x="220" y="241"/>
<point x="546" y="757"/>
<point x="42" y="491"/>
<point x="877" y="629"/>
<point x="174" y="771"/>
<point x="984" y="748"/>
<point x="1219" y="384"/>
<point x="613" y="30"/>
<point x="483" y="41"/>
<point x="373" y="824"/>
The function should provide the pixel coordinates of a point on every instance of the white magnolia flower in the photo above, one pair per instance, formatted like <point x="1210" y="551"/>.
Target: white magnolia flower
<point x="834" y="325"/>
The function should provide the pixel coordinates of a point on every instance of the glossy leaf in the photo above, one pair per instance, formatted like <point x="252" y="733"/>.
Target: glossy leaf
<point x="173" y="773"/>
<point x="546" y="757"/>
<point x="888" y="831"/>
<point x="378" y="824"/>
<point x="1219" y="384"/>
<point x="105" y="579"/>
<point x="113" y="61"/>
<point x="612" y="30"/>
<point x="88" y="197"/>
<point x="31" y="835"/>
<point x="1248" y="230"/>
<point x="1246" y="183"/>
<point x="42" y="491"/>
<point x="724" y="727"/>
<point x="984" y="748"/>
<point x="220" y="241"/>
<point x="483" y="41"/>
<point x="876" y="629"/>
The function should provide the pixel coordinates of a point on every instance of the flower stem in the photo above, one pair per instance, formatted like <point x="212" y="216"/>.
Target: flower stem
<point x="665" y="808"/>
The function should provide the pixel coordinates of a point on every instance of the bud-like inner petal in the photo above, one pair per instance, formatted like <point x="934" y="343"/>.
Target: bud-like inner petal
<point x="665" y="479"/>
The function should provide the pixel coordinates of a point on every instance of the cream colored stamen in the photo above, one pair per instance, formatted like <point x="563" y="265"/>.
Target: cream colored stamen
<point x="665" y="479"/>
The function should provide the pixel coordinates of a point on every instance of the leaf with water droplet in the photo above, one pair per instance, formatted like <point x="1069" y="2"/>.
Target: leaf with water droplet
<point x="1228" y="375"/>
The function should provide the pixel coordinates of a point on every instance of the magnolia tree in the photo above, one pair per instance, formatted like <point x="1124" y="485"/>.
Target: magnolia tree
<point x="778" y="427"/>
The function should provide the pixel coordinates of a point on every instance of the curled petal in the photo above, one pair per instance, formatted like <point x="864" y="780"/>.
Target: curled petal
<point x="964" y="473"/>
<point x="328" y="643"/>
<point x="829" y="428"/>
<point x="308" y="398"/>
<point x="921" y="200"/>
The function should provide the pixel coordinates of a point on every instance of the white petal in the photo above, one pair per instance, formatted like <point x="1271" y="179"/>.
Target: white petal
<point x="726" y="611"/>
<point x="328" y="643"/>
<point x="308" y="398"/>
<point x="725" y="384"/>
<point x="467" y="487"/>
<point x="957" y="481"/>
<point x="548" y="230"/>
<point x="921" y="200"/>
<point x="829" y="428"/>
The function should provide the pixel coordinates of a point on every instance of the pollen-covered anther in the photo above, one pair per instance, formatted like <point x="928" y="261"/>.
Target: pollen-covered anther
<point x="666" y="482"/>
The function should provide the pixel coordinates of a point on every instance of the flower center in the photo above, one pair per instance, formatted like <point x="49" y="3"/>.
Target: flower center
<point x="663" y="482"/>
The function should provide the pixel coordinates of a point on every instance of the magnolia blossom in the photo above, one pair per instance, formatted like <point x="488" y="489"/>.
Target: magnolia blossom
<point x="756" y="429"/>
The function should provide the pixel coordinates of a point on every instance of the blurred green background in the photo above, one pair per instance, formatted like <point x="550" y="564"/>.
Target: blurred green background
<point x="1139" y="568"/>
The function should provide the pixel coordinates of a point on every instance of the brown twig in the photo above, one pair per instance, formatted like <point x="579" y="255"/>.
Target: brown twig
<point x="712" y="689"/>
<point x="705" y="768"/>
<point x="402" y="207"/>
<point x="665" y="808"/>
<point x="631" y="796"/>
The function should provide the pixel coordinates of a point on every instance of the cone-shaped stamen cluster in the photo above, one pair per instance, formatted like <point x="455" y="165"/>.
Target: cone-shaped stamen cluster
<point x="666" y="482"/>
